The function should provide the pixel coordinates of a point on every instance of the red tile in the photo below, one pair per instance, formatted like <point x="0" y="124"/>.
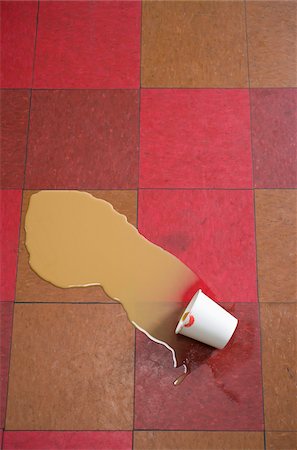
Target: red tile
<point x="14" y="124"/>
<point x="195" y="138"/>
<point x="223" y="392"/>
<point x="274" y="134"/>
<point x="10" y="206"/>
<point x="83" y="139"/>
<point x="67" y="440"/>
<point x="210" y="231"/>
<point x="6" y="313"/>
<point x="18" y="28"/>
<point x="88" y="45"/>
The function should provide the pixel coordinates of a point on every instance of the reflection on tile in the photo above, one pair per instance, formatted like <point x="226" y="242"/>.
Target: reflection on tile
<point x="271" y="28"/>
<point x="195" y="440"/>
<point x="278" y="323"/>
<point x="14" y="124"/>
<point x="211" y="231"/>
<point x="83" y="139"/>
<point x="6" y="312"/>
<point x="278" y="440"/>
<point x="276" y="221"/>
<point x="195" y="138"/>
<point x="10" y="205"/>
<point x="223" y="392"/>
<point x="18" y="28"/>
<point x="88" y="45"/>
<point x="31" y="288"/>
<point x="71" y="368"/>
<point x="193" y="44"/>
<point x="274" y="137"/>
<point x="67" y="440"/>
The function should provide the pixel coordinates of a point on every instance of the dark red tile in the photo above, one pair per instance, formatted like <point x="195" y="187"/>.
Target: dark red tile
<point x="10" y="205"/>
<point x="223" y="392"/>
<point x="211" y="231"/>
<point x="67" y="440"/>
<point x="274" y="133"/>
<point x="18" y="28"/>
<point x="14" y="124"/>
<point x="6" y="313"/>
<point x="83" y="139"/>
<point x="195" y="138"/>
<point x="88" y="45"/>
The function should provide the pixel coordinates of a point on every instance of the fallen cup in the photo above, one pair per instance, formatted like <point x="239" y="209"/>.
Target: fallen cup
<point x="207" y="322"/>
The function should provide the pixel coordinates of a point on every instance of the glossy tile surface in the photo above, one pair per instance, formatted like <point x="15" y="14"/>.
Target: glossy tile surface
<point x="67" y="368"/>
<point x="6" y="312"/>
<point x="195" y="138"/>
<point x="274" y="137"/>
<point x="271" y="30"/>
<point x="88" y="45"/>
<point x="83" y="139"/>
<point x="10" y="205"/>
<point x="194" y="440"/>
<point x="67" y="440"/>
<point x="177" y="38"/>
<point x="278" y="324"/>
<point x="223" y="392"/>
<point x="211" y="231"/>
<point x="276" y="440"/>
<point x="32" y="288"/>
<point x="276" y="226"/>
<point x="18" y="29"/>
<point x="14" y="124"/>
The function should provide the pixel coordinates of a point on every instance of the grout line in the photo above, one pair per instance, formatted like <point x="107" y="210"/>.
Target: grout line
<point x="35" y="44"/>
<point x="30" y="102"/>
<point x="118" y="303"/>
<point x="9" y="367"/>
<point x="13" y="307"/>
<point x="154" y="189"/>
<point x="137" y="205"/>
<point x="255" y="222"/>
<point x="155" y="88"/>
<point x="67" y="303"/>
<point x="144" y="430"/>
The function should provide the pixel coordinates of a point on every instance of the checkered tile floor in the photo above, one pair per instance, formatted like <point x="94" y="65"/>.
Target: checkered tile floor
<point x="182" y="114"/>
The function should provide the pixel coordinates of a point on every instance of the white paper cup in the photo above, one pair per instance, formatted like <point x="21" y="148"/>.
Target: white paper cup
<point x="207" y="322"/>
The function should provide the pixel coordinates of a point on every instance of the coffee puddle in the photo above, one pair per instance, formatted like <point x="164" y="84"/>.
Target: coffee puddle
<point x="77" y="240"/>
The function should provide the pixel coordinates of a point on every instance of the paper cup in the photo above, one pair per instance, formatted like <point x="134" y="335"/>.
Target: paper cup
<point x="207" y="322"/>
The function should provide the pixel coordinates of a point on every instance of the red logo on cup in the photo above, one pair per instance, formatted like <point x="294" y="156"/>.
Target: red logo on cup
<point x="190" y="322"/>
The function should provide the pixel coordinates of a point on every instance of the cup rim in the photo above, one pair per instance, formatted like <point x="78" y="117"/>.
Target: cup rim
<point x="186" y="312"/>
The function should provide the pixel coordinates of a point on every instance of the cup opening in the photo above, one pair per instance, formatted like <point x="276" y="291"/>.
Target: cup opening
<point x="186" y="313"/>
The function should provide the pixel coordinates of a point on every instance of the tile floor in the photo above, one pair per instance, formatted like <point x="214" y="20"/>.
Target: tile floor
<point x="182" y="115"/>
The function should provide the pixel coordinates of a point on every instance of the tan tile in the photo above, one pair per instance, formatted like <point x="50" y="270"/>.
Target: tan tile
<point x="281" y="441"/>
<point x="193" y="44"/>
<point x="278" y="324"/>
<point x="71" y="368"/>
<point x="271" y="29"/>
<point x="276" y="232"/>
<point x="32" y="288"/>
<point x="194" y="440"/>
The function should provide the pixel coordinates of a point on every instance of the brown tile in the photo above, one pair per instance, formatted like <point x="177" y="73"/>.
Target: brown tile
<point x="71" y="368"/>
<point x="193" y="44"/>
<point x="194" y="440"/>
<point x="32" y="288"/>
<point x="6" y="314"/>
<point x="284" y="441"/>
<point x="276" y="231"/>
<point x="271" y="29"/>
<point x="278" y="323"/>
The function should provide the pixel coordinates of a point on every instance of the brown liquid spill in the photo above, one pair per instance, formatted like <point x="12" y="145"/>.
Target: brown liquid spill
<point x="75" y="239"/>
